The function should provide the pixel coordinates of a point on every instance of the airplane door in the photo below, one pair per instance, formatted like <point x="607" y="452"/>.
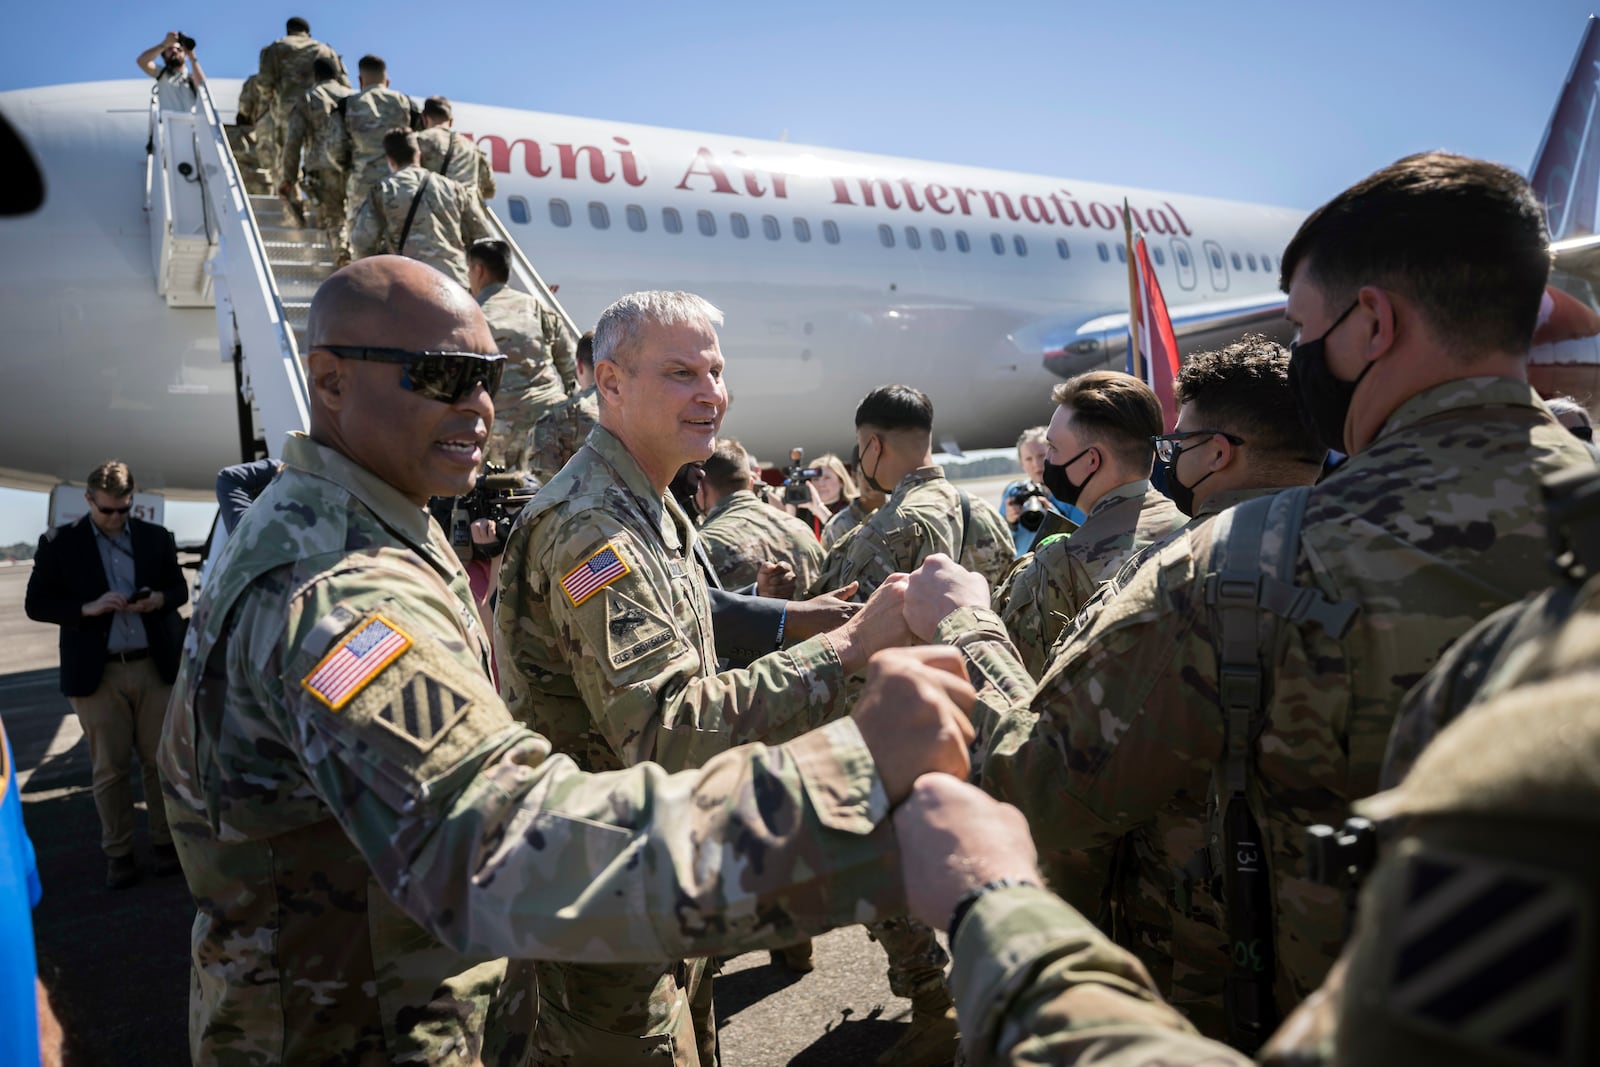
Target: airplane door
<point x="1219" y="265"/>
<point x="1185" y="261"/>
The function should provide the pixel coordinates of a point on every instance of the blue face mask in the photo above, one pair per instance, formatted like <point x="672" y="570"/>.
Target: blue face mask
<point x="1323" y="400"/>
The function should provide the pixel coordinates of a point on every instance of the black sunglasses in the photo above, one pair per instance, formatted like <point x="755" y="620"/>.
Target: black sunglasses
<point x="442" y="376"/>
<point x="1166" y="444"/>
<point x="113" y="511"/>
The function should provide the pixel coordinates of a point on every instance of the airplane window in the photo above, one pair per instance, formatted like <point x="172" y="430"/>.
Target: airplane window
<point x="560" y="214"/>
<point x="636" y="221"/>
<point x="1122" y="254"/>
<point x="599" y="217"/>
<point x="913" y="238"/>
<point x="1250" y="258"/>
<point x="1216" y="261"/>
<point x="830" y="231"/>
<point x="802" y="230"/>
<point x="1183" y="257"/>
<point x="1266" y="263"/>
<point x="1238" y="264"/>
<point x="997" y="243"/>
<point x="1019" y="244"/>
<point x="769" y="226"/>
<point x="961" y="241"/>
<point x="886" y="235"/>
<point x="707" y="222"/>
<point x="519" y="209"/>
<point x="936" y="238"/>
<point x="1063" y="249"/>
<point x="738" y="224"/>
<point x="671" y="221"/>
<point x="1161" y="257"/>
<point x="1105" y="253"/>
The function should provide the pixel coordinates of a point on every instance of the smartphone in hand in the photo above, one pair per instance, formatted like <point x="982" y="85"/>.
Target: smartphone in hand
<point x="141" y="593"/>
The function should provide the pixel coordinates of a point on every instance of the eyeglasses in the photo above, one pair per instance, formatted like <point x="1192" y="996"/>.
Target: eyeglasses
<point x="1167" y="450"/>
<point x="113" y="511"/>
<point x="442" y="376"/>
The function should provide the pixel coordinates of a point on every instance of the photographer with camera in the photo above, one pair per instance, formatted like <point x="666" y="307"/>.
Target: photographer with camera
<point x="1027" y="505"/>
<point x="179" y="73"/>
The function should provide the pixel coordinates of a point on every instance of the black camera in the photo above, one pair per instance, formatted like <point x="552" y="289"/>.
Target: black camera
<point x="187" y="42"/>
<point x="499" y="496"/>
<point x="795" y="477"/>
<point x="1033" y="499"/>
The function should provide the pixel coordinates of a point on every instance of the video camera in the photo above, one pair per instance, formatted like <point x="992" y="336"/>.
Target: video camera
<point x="795" y="477"/>
<point x="499" y="496"/>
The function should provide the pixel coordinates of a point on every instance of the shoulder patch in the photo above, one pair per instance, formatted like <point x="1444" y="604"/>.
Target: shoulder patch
<point x="355" y="661"/>
<point x="594" y="574"/>
<point x="633" y="630"/>
<point x="424" y="710"/>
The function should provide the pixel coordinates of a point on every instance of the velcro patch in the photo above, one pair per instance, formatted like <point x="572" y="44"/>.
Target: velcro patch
<point x="632" y="630"/>
<point x="424" y="710"/>
<point x="356" y="661"/>
<point x="594" y="574"/>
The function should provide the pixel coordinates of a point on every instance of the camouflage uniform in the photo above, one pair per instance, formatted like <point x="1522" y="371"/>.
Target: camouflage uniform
<point x="741" y="532"/>
<point x="922" y="516"/>
<point x="537" y="348"/>
<point x="348" y="860"/>
<point x="559" y="433"/>
<point x="1501" y="807"/>
<point x="842" y="522"/>
<point x="1047" y="587"/>
<point x="468" y="166"/>
<point x="311" y="125"/>
<point x="286" y="72"/>
<point x="1436" y="523"/>
<point x="606" y="647"/>
<point x="242" y="135"/>
<point x="447" y="219"/>
<point x="364" y="117"/>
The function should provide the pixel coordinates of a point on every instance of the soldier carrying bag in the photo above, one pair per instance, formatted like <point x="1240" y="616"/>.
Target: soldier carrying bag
<point x="405" y="231"/>
<point x="1250" y="593"/>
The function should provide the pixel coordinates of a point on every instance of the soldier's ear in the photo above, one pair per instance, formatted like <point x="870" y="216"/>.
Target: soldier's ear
<point x="325" y="378"/>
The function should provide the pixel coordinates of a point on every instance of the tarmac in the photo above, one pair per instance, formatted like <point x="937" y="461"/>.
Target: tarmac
<point x="117" y="963"/>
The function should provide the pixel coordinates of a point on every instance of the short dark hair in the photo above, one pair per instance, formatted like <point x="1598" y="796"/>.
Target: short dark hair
<point x="400" y="145"/>
<point x="728" y="468"/>
<point x="112" y="478"/>
<point x="1116" y="408"/>
<point x="1244" y="390"/>
<point x="371" y="64"/>
<point x="584" y="353"/>
<point x="896" y="407"/>
<point x="323" y="69"/>
<point x="437" y="107"/>
<point x="296" y="24"/>
<point x="494" y="254"/>
<point x="1462" y="238"/>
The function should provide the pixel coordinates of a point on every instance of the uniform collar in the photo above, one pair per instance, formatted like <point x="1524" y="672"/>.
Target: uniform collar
<point x="488" y="291"/>
<point x="1217" y="503"/>
<point x="617" y="456"/>
<point x="303" y="454"/>
<point x="731" y="501"/>
<point x="1483" y="391"/>
<point x="915" y="478"/>
<point x="1113" y="497"/>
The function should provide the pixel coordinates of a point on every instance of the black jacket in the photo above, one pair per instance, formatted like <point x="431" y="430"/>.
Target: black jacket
<point x="68" y="573"/>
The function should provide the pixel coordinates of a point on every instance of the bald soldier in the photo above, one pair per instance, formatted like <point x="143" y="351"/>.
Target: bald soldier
<point x="363" y="825"/>
<point x="607" y="646"/>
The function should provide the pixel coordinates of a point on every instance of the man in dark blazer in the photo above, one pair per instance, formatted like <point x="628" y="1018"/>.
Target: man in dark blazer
<point x="112" y="583"/>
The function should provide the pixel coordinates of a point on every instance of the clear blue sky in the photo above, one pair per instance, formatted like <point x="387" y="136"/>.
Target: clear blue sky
<point x="1283" y="103"/>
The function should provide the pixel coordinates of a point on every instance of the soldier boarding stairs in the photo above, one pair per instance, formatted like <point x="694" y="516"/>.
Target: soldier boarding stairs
<point x="215" y="245"/>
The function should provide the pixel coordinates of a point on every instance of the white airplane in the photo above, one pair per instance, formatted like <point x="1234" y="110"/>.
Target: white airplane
<point x="838" y="272"/>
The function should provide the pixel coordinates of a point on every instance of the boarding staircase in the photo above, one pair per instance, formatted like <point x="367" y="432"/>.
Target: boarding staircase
<point x="214" y="245"/>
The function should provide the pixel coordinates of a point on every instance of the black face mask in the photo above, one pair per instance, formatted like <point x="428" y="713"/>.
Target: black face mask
<point x="1061" y="487"/>
<point x="868" y="478"/>
<point x="1180" y="494"/>
<point x="1323" y="400"/>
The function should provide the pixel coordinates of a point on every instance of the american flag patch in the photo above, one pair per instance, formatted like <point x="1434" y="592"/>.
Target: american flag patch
<point x="593" y="575"/>
<point x="356" y="660"/>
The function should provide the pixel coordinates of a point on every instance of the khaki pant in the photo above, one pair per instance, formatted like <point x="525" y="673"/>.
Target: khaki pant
<point x="625" y="1014"/>
<point x="126" y="712"/>
<point x="916" y="959"/>
<point x="327" y="189"/>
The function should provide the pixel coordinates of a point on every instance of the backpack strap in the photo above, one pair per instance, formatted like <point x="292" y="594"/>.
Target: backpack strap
<point x="450" y="138"/>
<point x="405" y="231"/>
<point x="966" y="522"/>
<point x="1250" y="592"/>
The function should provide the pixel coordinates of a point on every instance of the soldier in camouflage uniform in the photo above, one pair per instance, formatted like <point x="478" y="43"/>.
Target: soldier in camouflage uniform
<point x="364" y="826"/>
<point x="847" y="518"/>
<point x="1466" y="949"/>
<point x="365" y="118"/>
<point x="1102" y="432"/>
<point x="286" y="73"/>
<point x="1432" y="523"/>
<point x="741" y="532"/>
<point x="444" y="151"/>
<point x="443" y="218"/>
<point x="311" y="126"/>
<point x="242" y="138"/>
<point x="537" y="346"/>
<point x="923" y="515"/>
<point x="606" y="645"/>
<point x="559" y="433"/>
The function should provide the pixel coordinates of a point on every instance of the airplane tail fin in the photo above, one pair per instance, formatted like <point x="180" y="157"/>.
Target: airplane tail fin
<point x="1566" y="169"/>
